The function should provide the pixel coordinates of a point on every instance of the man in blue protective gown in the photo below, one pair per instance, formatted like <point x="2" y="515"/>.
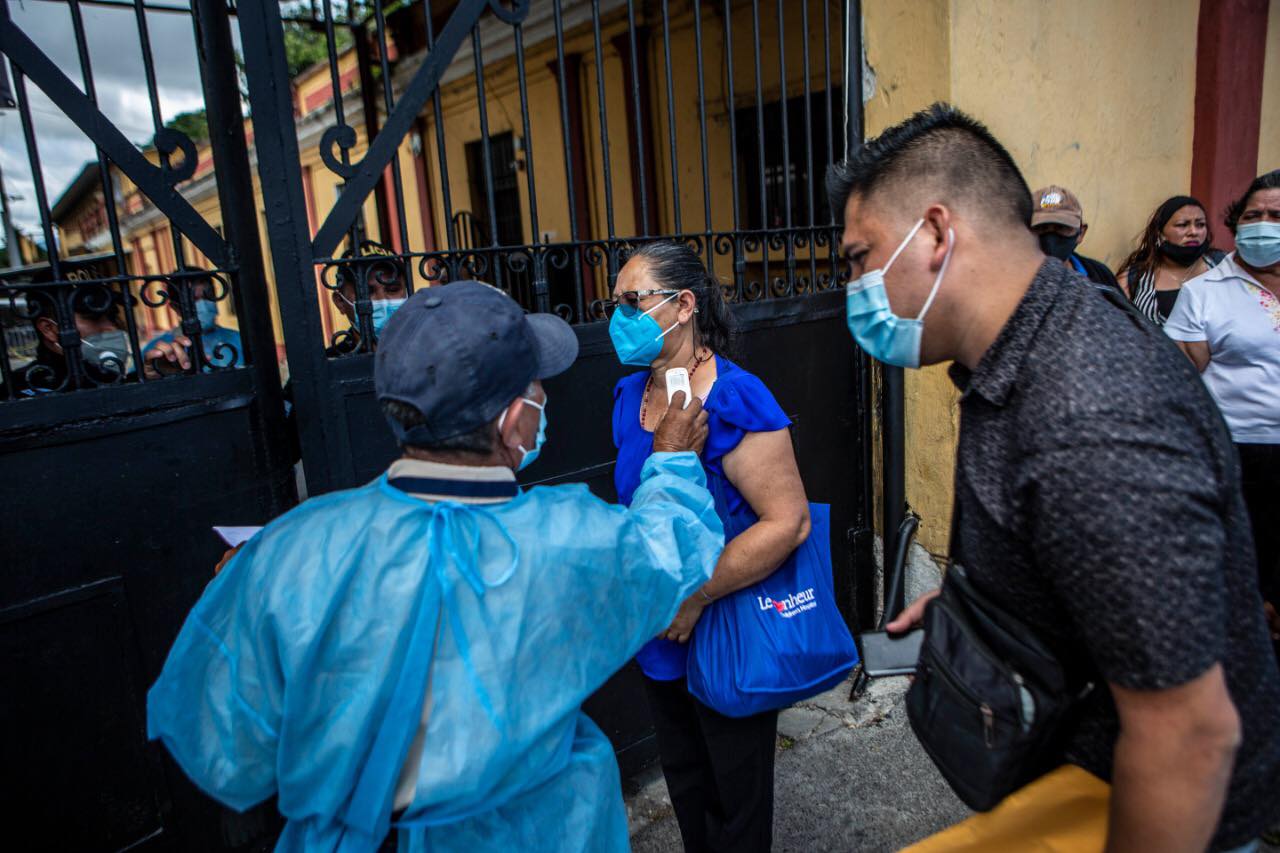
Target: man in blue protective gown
<point x="405" y="662"/>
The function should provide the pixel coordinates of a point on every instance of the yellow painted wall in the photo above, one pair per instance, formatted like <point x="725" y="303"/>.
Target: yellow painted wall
<point x="1269" y="137"/>
<point x="1079" y="101"/>
<point x="1046" y="84"/>
<point x="908" y="49"/>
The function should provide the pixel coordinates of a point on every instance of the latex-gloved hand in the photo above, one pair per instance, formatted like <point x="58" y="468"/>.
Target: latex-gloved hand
<point x="681" y="429"/>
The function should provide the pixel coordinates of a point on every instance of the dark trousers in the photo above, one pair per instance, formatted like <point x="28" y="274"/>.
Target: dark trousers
<point x="719" y="770"/>
<point x="1260" y="482"/>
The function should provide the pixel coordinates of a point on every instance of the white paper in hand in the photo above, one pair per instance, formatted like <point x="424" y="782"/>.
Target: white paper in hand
<point x="234" y="536"/>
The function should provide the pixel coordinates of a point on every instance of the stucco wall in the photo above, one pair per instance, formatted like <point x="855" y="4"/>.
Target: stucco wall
<point x="1047" y="84"/>
<point x="1269" y="137"/>
<point x="908" y="51"/>
<point x="1081" y="101"/>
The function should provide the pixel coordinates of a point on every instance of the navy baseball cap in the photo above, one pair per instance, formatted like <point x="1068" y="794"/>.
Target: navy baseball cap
<point x="460" y="353"/>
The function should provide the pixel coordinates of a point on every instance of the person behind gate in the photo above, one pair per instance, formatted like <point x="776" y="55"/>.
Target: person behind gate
<point x="411" y="656"/>
<point x="1078" y="417"/>
<point x="668" y="313"/>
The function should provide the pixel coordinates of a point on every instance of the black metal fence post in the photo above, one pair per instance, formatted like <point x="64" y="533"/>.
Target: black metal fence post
<point x="280" y="171"/>
<point x="239" y="222"/>
<point x="891" y="423"/>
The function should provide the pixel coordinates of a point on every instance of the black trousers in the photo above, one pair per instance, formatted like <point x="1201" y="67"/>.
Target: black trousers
<point x="719" y="770"/>
<point x="1260" y="482"/>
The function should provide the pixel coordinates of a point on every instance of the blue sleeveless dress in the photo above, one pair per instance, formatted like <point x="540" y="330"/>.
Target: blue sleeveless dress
<point x="739" y="403"/>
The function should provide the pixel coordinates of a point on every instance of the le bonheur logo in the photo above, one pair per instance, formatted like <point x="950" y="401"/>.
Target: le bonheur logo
<point x="792" y="605"/>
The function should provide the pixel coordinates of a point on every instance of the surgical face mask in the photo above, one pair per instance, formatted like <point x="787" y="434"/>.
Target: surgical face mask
<point x="207" y="314"/>
<point x="637" y="338"/>
<point x="881" y="333"/>
<point x="1058" y="246"/>
<point x="382" y="311"/>
<point x="528" y="457"/>
<point x="107" y="351"/>
<point x="1183" y="256"/>
<point x="1258" y="244"/>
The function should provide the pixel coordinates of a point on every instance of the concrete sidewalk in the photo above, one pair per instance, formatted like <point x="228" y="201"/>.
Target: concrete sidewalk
<point x="849" y="777"/>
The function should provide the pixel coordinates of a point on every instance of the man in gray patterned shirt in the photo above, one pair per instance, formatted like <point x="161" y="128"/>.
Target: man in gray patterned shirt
<point x="1097" y="486"/>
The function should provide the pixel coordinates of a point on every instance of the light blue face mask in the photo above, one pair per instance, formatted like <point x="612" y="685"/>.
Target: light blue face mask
<point x="882" y="334"/>
<point x="1259" y="244"/>
<point x="382" y="311"/>
<point x="207" y="314"/>
<point x="637" y="338"/>
<point x="530" y="456"/>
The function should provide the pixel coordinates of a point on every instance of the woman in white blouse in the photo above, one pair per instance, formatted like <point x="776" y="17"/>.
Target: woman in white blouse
<point x="1227" y="321"/>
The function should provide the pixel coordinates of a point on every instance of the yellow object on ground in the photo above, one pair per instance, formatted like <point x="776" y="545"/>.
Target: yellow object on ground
<point x="1062" y="812"/>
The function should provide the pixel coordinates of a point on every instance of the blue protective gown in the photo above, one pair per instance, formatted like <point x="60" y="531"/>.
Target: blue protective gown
<point x="303" y="668"/>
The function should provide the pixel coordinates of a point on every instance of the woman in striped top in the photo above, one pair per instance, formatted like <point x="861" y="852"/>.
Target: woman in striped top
<point x="1176" y="246"/>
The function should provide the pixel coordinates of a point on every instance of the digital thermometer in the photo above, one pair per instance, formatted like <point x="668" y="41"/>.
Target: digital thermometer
<point x="678" y="380"/>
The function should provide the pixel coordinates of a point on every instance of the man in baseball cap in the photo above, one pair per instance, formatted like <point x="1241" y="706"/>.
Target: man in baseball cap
<point x="1058" y="220"/>
<point x="411" y="656"/>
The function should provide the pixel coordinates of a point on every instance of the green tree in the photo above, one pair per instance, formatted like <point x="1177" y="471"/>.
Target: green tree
<point x="194" y="124"/>
<point x="304" y="47"/>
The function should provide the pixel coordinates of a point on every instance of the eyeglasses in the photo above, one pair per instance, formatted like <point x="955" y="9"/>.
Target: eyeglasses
<point x="628" y="302"/>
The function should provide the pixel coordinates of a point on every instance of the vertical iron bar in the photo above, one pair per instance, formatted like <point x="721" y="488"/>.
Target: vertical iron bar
<point x="540" y="291"/>
<point x="764" y="201"/>
<point x="639" y="141"/>
<point x="446" y="193"/>
<point x="240" y="225"/>
<point x="108" y="187"/>
<point x="604" y="122"/>
<point x="702" y="139"/>
<point x="340" y="114"/>
<point x="810" y="178"/>
<point x="67" y="335"/>
<point x="157" y="121"/>
<point x="833" y="241"/>
<point x="482" y="100"/>
<point x="786" y="154"/>
<point x="389" y="102"/>
<point x="671" y="118"/>
<point x="739" y="259"/>
<point x="568" y="163"/>
<point x="326" y="454"/>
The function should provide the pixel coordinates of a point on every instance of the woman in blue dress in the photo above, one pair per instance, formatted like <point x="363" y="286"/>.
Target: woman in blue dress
<point x="668" y="312"/>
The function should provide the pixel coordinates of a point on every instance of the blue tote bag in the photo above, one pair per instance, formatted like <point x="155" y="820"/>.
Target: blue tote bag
<point x="777" y="641"/>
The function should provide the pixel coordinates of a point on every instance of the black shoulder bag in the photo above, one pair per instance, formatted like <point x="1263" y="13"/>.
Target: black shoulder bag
<point x="992" y="704"/>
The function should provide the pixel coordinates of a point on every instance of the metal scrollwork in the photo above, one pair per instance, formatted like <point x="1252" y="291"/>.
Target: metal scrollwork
<point x="340" y="136"/>
<point x="167" y="141"/>
<point x="514" y="14"/>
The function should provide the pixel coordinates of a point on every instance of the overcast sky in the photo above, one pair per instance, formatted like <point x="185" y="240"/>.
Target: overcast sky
<point x="116" y="56"/>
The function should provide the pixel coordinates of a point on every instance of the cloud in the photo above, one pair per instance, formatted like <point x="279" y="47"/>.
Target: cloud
<point x="115" y="55"/>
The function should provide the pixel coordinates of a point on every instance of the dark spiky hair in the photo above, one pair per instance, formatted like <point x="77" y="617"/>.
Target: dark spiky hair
<point x="941" y="149"/>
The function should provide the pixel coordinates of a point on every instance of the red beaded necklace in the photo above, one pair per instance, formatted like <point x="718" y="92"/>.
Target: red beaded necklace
<point x="648" y="385"/>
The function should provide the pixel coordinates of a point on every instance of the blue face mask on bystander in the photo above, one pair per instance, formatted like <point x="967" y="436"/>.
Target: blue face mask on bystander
<point x="1259" y="243"/>
<point x="207" y="314"/>
<point x="882" y="334"/>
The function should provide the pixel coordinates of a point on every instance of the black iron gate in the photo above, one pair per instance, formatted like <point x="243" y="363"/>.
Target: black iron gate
<point x="617" y="123"/>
